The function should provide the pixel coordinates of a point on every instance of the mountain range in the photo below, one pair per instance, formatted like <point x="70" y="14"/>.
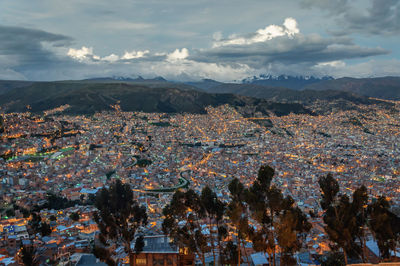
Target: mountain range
<point x="383" y="87"/>
<point x="292" y="82"/>
<point x="88" y="98"/>
<point x="264" y="94"/>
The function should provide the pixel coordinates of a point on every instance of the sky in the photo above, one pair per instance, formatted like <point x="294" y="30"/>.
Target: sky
<point x="183" y="40"/>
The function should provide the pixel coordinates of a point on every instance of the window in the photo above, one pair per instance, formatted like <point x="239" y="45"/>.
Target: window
<point x="184" y="251"/>
<point x="158" y="262"/>
<point x="141" y="261"/>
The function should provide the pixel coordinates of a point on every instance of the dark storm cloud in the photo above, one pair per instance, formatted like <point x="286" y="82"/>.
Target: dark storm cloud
<point x="379" y="17"/>
<point x="299" y="49"/>
<point x="23" y="48"/>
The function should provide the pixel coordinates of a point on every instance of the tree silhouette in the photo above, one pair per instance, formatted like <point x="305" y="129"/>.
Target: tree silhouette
<point x="28" y="256"/>
<point x="334" y="259"/>
<point x="385" y="226"/>
<point x="2" y="126"/>
<point x="292" y="227"/>
<point x="38" y="225"/>
<point x="277" y="217"/>
<point x="238" y="214"/>
<point x="119" y="216"/>
<point x="74" y="216"/>
<point x="340" y="217"/>
<point x="359" y="210"/>
<point x="182" y="222"/>
<point x="229" y="254"/>
<point x="213" y="209"/>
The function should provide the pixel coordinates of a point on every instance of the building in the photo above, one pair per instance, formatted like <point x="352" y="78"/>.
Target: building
<point x="159" y="250"/>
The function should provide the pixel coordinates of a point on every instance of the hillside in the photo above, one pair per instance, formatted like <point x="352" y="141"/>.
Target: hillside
<point x="205" y="84"/>
<point x="88" y="98"/>
<point x="320" y="101"/>
<point x="384" y="87"/>
<point x="291" y="82"/>
<point x="7" y="85"/>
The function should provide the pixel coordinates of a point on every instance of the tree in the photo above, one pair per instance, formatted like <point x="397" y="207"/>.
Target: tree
<point x="103" y="254"/>
<point x="38" y="225"/>
<point x="292" y="227"/>
<point x="229" y="254"/>
<point x="384" y="225"/>
<point x="262" y="211"/>
<point x="119" y="217"/>
<point x="213" y="209"/>
<point x="359" y="210"/>
<point x="45" y="229"/>
<point x="25" y="212"/>
<point x="182" y="222"/>
<point x="334" y="259"/>
<point x="342" y="224"/>
<point x="74" y="216"/>
<point x="280" y="222"/>
<point x="2" y="127"/>
<point x="237" y="211"/>
<point x="10" y="212"/>
<point x="28" y="256"/>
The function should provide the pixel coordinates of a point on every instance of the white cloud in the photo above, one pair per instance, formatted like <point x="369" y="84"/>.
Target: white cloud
<point x="273" y="49"/>
<point x="371" y="68"/>
<point x="178" y="54"/>
<point x="134" y="54"/>
<point x="191" y="70"/>
<point x="85" y="53"/>
<point x="337" y="64"/>
<point x="111" y="58"/>
<point x="289" y="28"/>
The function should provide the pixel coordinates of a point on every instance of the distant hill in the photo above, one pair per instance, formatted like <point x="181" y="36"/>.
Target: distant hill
<point x="384" y="87"/>
<point x="291" y="82"/>
<point x="157" y="82"/>
<point x="159" y="95"/>
<point x="205" y="84"/>
<point x="88" y="98"/>
<point x="344" y="100"/>
<point x="7" y="85"/>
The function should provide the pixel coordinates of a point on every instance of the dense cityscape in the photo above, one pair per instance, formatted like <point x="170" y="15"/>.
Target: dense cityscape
<point x="199" y="133"/>
<point x="54" y="165"/>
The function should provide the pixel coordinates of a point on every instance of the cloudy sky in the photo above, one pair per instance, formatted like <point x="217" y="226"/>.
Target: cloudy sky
<point x="224" y="40"/>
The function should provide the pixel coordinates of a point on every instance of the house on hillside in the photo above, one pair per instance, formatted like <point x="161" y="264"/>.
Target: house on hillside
<point x="159" y="250"/>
